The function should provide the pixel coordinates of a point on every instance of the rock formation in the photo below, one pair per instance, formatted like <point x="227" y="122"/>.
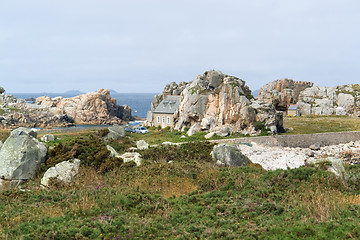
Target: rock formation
<point x="229" y="156"/>
<point x="21" y="155"/>
<point x="90" y="108"/>
<point x="64" y="172"/>
<point x="216" y="102"/>
<point x="282" y="93"/>
<point x="170" y="89"/>
<point x="339" y="100"/>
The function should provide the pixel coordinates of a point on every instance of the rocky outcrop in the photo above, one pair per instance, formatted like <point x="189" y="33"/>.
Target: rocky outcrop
<point x="339" y="100"/>
<point x="115" y="132"/>
<point x="282" y="93"/>
<point x="21" y="155"/>
<point x="170" y="89"/>
<point x="63" y="172"/>
<point x="90" y="108"/>
<point x="215" y="100"/>
<point x="229" y="156"/>
<point x="34" y="118"/>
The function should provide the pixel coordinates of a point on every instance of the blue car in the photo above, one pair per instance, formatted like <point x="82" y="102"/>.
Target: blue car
<point x="129" y="130"/>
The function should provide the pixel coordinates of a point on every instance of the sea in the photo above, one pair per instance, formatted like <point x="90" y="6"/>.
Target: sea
<point x="139" y="102"/>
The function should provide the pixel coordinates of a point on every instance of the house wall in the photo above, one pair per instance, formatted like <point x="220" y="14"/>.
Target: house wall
<point x="292" y="112"/>
<point x="166" y="120"/>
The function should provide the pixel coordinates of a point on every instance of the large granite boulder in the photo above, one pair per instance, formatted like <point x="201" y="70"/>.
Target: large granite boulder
<point x="229" y="156"/>
<point x="2" y="90"/>
<point x="63" y="172"/>
<point x="115" y="132"/>
<point x="216" y="101"/>
<point x="21" y="155"/>
<point x="333" y="164"/>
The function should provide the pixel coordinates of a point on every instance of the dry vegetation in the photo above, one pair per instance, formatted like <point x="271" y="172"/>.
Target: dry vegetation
<point x="179" y="193"/>
<point x="320" y="124"/>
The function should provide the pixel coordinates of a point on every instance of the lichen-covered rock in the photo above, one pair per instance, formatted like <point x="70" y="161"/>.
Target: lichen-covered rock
<point x="132" y="157"/>
<point x="335" y="165"/>
<point x="142" y="145"/>
<point x="115" y="132"/>
<point x="63" y="172"/>
<point x="229" y="156"/>
<point x="113" y="152"/>
<point x="21" y="155"/>
<point x="47" y="138"/>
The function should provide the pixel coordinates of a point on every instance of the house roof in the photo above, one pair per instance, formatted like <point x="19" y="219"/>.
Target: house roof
<point x="168" y="105"/>
<point x="293" y="107"/>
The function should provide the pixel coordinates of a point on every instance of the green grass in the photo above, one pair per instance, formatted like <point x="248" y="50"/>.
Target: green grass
<point x="179" y="193"/>
<point x="156" y="136"/>
<point x="190" y="198"/>
<point x="321" y="124"/>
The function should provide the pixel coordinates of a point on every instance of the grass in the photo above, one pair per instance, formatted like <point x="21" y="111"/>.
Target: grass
<point x="321" y="124"/>
<point x="179" y="193"/>
<point x="190" y="198"/>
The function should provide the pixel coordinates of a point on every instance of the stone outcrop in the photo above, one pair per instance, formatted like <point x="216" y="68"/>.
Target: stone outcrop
<point x="282" y="93"/>
<point x="214" y="101"/>
<point x="21" y="155"/>
<point x="90" y="108"/>
<point x="229" y="156"/>
<point x="339" y="100"/>
<point x="170" y="89"/>
<point x="63" y="172"/>
<point x="115" y="132"/>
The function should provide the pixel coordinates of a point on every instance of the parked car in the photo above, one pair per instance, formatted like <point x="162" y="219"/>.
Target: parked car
<point x="129" y="130"/>
<point x="141" y="130"/>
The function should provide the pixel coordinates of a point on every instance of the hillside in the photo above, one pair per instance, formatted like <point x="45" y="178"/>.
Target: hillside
<point x="178" y="192"/>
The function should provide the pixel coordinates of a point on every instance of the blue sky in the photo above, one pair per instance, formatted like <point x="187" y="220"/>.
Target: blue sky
<point x="140" y="45"/>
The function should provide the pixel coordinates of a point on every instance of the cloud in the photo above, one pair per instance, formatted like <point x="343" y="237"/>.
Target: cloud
<point x="87" y="44"/>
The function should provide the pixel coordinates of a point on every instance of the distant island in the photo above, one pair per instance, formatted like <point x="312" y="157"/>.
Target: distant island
<point x="77" y="92"/>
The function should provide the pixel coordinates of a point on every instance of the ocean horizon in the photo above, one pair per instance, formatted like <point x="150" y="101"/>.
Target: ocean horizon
<point x="139" y="102"/>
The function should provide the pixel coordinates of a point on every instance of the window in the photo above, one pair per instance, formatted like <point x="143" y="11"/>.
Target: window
<point x="158" y="119"/>
<point x="168" y="120"/>
<point x="163" y="119"/>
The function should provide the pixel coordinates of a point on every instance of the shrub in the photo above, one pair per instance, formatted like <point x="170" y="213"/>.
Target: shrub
<point x="89" y="149"/>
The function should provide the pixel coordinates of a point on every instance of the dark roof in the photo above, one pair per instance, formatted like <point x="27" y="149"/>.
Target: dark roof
<point x="293" y="107"/>
<point x="168" y="105"/>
